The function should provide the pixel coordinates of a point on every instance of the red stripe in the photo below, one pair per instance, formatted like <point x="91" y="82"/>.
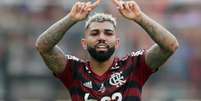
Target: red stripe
<point x="132" y="92"/>
<point x="76" y="98"/>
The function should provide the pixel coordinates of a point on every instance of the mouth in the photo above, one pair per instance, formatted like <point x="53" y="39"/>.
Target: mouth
<point x="102" y="47"/>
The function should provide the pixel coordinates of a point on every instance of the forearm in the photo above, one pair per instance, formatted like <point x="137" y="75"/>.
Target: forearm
<point x="48" y="39"/>
<point x="159" y="34"/>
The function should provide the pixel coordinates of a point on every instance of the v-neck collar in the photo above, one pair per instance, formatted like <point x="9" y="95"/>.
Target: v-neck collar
<point x="104" y="75"/>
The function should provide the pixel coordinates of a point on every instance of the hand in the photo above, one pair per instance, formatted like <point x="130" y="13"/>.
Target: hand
<point x="81" y="10"/>
<point x="128" y="9"/>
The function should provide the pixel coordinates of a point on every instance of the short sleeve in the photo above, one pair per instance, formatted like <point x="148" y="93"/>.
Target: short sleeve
<point x="67" y="77"/>
<point x="142" y="71"/>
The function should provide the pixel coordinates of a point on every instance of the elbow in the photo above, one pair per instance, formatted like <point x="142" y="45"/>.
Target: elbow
<point x="39" y="46"/>
<point x="174" y="46"/>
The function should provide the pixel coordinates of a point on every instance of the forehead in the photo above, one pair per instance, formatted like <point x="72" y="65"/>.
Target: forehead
<point x="101" y="25"/>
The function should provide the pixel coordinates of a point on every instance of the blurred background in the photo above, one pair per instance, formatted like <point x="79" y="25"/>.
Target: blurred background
<point x="24" y="76"/>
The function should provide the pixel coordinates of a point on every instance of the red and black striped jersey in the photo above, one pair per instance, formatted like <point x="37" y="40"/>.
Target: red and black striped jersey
<point x="122" y="82"/>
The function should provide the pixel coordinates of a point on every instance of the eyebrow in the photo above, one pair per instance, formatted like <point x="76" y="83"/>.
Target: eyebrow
<point x="109" y="30"/>
<point x="104" y="30"/>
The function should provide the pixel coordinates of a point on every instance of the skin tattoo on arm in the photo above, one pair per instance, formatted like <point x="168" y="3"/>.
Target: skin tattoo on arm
<point x="166" y="43"/>
<point x="52" y="55"/>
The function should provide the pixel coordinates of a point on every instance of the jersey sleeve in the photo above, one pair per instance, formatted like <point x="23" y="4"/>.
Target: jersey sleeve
<point x="141" y="71"/>
<point x="67" y="77"/>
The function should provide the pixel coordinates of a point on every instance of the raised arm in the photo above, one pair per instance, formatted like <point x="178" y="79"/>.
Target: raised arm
<point x="166" y="43"/>
<point x="47" y="42"/>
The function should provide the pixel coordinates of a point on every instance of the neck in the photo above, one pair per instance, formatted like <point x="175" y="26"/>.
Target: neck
<point x="101" y="67"/>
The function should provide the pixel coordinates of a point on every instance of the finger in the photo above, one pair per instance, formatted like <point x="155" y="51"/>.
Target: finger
<point x="124" y="5"/>
<point x="135" y="6"/>
<point x="83" y="5"/>
<point x="130" y="5"/>
<point x="119" y="4"/>
<point x="78" y="6"/>
<point x="116" y="2"/>
<point x="87" y="7"/>
<point x="127" y="6"/>
<point x="95" y="3"/>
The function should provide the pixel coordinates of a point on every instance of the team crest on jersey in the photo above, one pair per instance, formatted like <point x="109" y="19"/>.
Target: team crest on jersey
<point x="117" y="79"/>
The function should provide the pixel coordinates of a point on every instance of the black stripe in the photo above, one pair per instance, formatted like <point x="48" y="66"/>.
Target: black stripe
<point x="80" y="74"/>
<point x="132" y="63"/>
<point x="132" y="98"/>
<point x="133" y="84"/>
<point x="75" y="67"/>
<point x="76" y="91"/>
<point x="138" y="60"/>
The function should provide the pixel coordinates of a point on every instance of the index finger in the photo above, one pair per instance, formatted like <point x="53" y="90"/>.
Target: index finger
<point x="118" y="3"/>
<point x="96" y="3"/>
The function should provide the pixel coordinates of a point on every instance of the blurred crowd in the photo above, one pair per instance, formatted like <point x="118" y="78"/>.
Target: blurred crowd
<point x="24" y="76"/>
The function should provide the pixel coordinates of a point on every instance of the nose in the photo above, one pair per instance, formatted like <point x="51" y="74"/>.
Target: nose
<point x="101" y="36"/>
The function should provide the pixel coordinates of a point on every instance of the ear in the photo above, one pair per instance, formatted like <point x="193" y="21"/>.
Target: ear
<point x="117" y="44"/>
<point x="84" y="43"/>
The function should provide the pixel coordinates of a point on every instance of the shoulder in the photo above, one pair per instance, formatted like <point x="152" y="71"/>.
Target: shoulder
<point x="73" y="62"/>
<point x="133" y="57"/>
<point x="133" y="54"/>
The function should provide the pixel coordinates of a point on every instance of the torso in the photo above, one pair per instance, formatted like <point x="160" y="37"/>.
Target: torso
<point x="122" y="82"/>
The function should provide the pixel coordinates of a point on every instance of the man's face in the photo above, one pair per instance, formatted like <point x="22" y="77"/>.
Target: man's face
<point x="100" y="40"/>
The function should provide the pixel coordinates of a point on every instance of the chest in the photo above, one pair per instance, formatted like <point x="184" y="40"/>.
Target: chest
<point x="117" y="84"/>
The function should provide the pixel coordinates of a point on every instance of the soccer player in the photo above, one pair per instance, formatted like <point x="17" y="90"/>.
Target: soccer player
<point x="104" y="76"/>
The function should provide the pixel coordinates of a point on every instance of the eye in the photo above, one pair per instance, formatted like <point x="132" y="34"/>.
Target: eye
<point x="94" y="33"/>
<point x="109" y="33"/>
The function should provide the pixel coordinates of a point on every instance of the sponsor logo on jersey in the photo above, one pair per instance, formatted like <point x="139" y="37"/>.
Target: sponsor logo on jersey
<point x="88" y="84"/>
<point x="140" y="52"/>
<point x="70" y="57"/>
<point x="115" y="67"/>
<point x="117" y="79"/>
<point x="87" y="69"/>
